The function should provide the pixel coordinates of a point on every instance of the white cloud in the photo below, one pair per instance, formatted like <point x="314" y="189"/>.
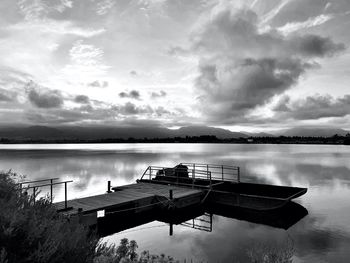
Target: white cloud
<point x="104" y="7"/>
<point x="55" y="27"/>
<point x="86" y="62"/>
<point x="270" y="15"/>
<point x="311" y="22"/>
<point x="38" y="9"/>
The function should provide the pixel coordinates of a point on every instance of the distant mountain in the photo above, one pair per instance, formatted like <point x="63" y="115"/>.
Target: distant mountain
<point x="313" y="132"/>
<point x="32" y="132"/>
<point x="205" y="130"/>
<point x="259" y="134"/>
<point x="100" y="132"/>
<point x="103" y="132"/>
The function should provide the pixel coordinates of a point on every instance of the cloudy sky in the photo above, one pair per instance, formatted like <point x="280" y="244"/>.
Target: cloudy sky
<point x="243" y="65"/>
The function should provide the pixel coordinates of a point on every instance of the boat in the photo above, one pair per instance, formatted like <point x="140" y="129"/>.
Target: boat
<point x="222" y="185"/>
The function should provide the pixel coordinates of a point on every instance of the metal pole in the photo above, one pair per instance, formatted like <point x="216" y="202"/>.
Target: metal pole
<point x="109" y="187"/>
<point x="207" y="171"/>
<point x="192" y="178"/>
<point x="65" y="195"/>
<point x="150" y="172"/>
<point x="171" y="230"/>
<point x="51" y="190"/>
<point x="222" y="171"/>
<point x="238" y="175"/>
<point x="210" y="179"/>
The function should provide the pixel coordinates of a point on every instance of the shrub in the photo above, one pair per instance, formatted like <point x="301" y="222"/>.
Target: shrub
<point x="35" y="232"/>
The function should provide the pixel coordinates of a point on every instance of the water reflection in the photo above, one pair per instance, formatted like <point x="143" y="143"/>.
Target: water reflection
<point x="201" y="218"/>
<point x="321" y="236"/>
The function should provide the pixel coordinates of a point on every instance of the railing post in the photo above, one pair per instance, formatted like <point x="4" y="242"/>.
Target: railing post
<point x="65" y="195"/>
<point x="210" y="179"/>
<point x="150" y="172"/>
<point x="51" y="189"/>
<point x="171" y="194"/>
<point x="193" y="178"/>
<point x="222" y="171"/>
<point x="207" y="170"/>
<point x="109" y="187"/>
<point x="238" y="175"/>
<point x="171" y="229"/>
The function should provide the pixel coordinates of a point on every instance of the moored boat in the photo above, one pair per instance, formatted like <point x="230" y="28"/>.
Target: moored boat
<point x="222" y="185"/>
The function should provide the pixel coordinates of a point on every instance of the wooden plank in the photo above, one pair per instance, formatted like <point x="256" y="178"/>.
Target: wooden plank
<point x="141" y="193"/>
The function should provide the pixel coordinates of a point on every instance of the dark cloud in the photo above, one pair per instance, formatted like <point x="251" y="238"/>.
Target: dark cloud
<point x="316" y="46"/>
<point x="159" y="94"/>
<point x="98" y="84"/>
<point x="131" y="109"/>
<point x="134" y="94"/>
<point x="82" y="99"/>
<point x="234" y="91"/>
<point x="133" y="73"/>
<point x="44" y="98"/>
<point x="241" y="67"/>
<point x="313" y="107"/>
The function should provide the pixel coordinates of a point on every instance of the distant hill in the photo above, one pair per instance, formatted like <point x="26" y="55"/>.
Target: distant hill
<point x="313" y="132"/>
<point x="104" y="132"/>
<point x="205" y="130"/>
<point x="100" y="132"/>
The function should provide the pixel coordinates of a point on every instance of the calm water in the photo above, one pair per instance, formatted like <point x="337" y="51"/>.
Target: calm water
<point x="322" y="236"/>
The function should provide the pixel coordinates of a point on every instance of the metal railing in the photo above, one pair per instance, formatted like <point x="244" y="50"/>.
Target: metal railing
<point x="218" y="172"/>
<point x="203" y="223"/>
<point x="194" y="171"/>
<point x="27" y="185"/>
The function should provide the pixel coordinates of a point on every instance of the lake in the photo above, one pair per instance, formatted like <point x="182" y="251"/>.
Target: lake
<point x="321" y="236"/>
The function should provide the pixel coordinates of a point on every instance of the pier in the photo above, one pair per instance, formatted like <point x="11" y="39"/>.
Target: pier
<point x="164" y="190"/>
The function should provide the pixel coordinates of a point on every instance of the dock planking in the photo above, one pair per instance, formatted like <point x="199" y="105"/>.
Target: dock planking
<point x="132" y="196"/>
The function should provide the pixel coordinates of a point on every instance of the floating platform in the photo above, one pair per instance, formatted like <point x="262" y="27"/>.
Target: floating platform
<point x="163" y="190"/>
<point x="131" y="199"/>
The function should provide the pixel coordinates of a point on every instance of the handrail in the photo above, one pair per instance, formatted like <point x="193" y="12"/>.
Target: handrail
<point x="51" y="184"/>
<point x="42" y="185"/>
<point x="197" y="170"/>
<point x="212" y="165"/>
<point x="223" y="169"/>
<point x="37" y="181"/>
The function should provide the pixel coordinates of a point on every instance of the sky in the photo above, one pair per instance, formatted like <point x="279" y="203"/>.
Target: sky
<point x="249" y="65"/>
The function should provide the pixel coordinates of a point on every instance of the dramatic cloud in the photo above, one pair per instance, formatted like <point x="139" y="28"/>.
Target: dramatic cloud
<point x="159" y="94"/>
<point x="241" y="68"/>
<point x="134" y="94"/>
<point x="82" y="99"/>
<point x="43" y="98"/>
<point x="312" y="108"/>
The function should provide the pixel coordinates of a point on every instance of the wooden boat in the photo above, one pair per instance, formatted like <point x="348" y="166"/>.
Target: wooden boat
<point x="222" y="185"/>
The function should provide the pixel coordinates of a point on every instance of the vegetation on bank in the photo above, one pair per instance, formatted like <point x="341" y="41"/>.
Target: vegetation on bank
<point x="336" y="139"/>
<point x="34" y="232"/>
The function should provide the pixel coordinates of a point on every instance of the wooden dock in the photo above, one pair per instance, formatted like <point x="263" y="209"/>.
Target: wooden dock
<point x="134" y="198"/>
<point x="184" y="186"/>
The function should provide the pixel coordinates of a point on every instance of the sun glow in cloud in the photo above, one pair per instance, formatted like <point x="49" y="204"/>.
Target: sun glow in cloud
<point x="243" y="64"/>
